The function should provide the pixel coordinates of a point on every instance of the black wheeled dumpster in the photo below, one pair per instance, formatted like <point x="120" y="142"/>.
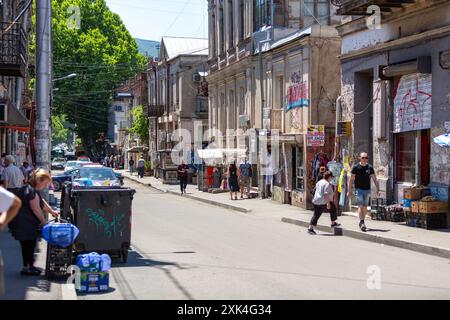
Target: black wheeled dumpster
<point x="103" y="216"/>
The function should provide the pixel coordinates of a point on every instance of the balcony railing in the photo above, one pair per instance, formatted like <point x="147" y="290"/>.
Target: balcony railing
<point x="359" y="7"/>
<point x="13" y="50"/>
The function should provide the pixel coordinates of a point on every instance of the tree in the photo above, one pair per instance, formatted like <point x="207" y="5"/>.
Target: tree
<point x="101" y="52"/>
<point x="60" y="134"/>
<point x="140" y="123"/>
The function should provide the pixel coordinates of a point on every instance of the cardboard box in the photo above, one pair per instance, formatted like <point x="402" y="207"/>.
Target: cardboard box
<point x="94" y="281"/>
<point x="433" y="207"/>
<point x="415" y="206"/>
<point x="416" y="193"/>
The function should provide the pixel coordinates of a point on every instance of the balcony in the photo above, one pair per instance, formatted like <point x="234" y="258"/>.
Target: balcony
<point x="13" y="50"/>
<point x="154" y="110"/>
<point x="359" y="7"/>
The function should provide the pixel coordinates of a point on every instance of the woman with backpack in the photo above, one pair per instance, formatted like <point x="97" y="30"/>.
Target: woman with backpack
<point x="25" y="226"/>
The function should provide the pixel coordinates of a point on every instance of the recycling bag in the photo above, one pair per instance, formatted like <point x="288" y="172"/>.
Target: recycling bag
<point x="60" y="234"/>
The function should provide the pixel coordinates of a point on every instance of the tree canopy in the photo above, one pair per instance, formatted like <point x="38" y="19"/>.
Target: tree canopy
<point x="101" y="52"/>
<point x="140" y="123"/>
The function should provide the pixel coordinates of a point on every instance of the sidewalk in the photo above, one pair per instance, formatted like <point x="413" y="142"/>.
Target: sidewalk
<point x="433" y="242"/>
<point x="18" y="287"/>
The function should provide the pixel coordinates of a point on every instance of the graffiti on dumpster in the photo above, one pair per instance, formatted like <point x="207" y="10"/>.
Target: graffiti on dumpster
<point x="112" y="228"/>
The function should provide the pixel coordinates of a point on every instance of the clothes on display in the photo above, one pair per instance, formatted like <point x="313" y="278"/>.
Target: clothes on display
<point x="320" y="161"/>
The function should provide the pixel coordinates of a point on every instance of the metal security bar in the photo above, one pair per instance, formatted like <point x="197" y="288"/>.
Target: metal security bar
<point x="13" y="50"/>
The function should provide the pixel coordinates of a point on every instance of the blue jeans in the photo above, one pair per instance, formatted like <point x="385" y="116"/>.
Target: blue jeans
<point x="362" y="197"/>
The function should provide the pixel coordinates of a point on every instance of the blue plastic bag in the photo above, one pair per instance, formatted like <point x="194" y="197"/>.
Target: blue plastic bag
<point x="60" y="234"/>
<point x="93" y="262"/>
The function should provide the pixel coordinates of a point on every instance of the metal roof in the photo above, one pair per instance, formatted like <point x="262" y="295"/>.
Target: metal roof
<point x="184" y="46"/>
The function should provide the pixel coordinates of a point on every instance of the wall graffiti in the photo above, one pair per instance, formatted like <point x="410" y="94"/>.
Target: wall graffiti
<point x="412" y="103"/>
<point x="110" y="229"/>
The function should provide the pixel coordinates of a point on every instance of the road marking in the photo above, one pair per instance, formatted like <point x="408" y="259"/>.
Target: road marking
<point x="68" y="291"/>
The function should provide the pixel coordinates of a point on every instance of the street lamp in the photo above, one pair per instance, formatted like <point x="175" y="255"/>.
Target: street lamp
<point x="72" y="75"/>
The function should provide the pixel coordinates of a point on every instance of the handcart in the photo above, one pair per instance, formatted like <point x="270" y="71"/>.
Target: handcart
<point x="58" y="259"/>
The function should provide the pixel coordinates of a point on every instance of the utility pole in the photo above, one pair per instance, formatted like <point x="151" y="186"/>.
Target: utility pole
<point x="43" y="83"/>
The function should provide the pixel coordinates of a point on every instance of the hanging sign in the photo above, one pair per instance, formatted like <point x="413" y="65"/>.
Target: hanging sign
<point x="315" y="136"/>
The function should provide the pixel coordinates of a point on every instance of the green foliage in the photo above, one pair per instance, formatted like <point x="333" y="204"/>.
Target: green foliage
<point x="140" y="124"/>
<point x="101" y="52"/>
<point x="148" y="166"/>
<point x="60" y="134"/>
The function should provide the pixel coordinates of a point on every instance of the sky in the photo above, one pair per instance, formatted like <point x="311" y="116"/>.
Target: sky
<point x="153" y="19"/>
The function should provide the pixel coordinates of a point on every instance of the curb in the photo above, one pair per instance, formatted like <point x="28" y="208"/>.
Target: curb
<point x="211" y="202"/>
<point x="413" y="246"/>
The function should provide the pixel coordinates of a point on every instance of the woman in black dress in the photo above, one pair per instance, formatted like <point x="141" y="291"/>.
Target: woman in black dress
<point x="233" y="180"/>
<point x="25" y="225"/>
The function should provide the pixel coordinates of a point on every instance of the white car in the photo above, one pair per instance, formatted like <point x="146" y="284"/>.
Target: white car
<point x="70" y="165"/>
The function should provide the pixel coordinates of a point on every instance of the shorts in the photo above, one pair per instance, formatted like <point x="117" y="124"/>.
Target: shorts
<point x="362" y="197"/>
<point x="244" y="182"/>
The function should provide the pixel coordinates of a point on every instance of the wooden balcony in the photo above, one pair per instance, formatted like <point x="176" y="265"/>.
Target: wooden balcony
<point x="276" y="119"/>
<point x="359" y="7"/>
<point x="13" y="50"/>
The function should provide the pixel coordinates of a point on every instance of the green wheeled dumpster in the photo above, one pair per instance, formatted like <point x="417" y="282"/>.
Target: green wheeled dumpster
<point x="103" y="216"/>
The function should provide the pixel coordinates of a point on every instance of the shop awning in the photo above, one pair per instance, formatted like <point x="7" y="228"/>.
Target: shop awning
<point x="16" y="120"/>
<point x="138" y="149"/>
<point x="443" y="140"/>
<point x="220" y="153"/>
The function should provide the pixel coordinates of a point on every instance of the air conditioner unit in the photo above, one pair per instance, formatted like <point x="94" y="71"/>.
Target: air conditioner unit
<point x="244" y="121"/>
<point x="196" y="77"/>
<point x="3" y="113"/>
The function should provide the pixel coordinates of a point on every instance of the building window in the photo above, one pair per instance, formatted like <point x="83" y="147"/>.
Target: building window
<point x="278" y="13"/>
<point x="242" y="19"/>
<point x="230" y="24"/>
<point x="308" y="8"/>
<point x="300" y="170"/>
<point x="214" y="36"/>
<point x="221" y="29"/>
<point x="405" y="145"/>
<point x="261" y="14"/>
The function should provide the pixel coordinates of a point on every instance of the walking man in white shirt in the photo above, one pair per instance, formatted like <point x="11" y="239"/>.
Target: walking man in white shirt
<point x="12" y="176"/>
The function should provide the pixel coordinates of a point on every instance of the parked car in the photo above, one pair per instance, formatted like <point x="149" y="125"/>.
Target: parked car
<point x="58" y="180"/>
<point x="58" y="164"/>
<point x="83" y="159"/>
<point x="70" y="165"/>
<point x="96" y="175"/>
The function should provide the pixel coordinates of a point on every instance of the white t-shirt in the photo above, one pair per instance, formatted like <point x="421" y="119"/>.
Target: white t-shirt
<point x="6" y="199"/>
<point x="323" y="187"/>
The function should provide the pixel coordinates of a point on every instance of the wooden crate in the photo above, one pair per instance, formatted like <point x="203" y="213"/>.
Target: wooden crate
<point x="426" y="221"/>
<point x="433" y="207"/>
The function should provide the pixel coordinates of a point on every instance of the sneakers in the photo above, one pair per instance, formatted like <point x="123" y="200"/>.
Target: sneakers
<point x="362" y="226"/>
<point x="31" y="271"/>
<point x="311" y="231"/>
<point x="334" y="225"/>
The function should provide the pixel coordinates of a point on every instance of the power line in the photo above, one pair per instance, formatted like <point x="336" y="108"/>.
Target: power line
<point x="177" y="17"/>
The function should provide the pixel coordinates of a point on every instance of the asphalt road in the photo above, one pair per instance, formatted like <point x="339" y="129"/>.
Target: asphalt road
<point x="183" y="249"/>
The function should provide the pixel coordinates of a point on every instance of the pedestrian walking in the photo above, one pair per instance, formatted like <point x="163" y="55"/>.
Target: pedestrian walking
<point x="141" y="167"/>
<point x="131" y="164"/>
<point x="233" y="183"/>
<point x="13" y="178"/>
<point x="361" y="175"/>
<point x="25" y="226"/>
<point x="27" y="169"/>
<point x="182" y="176"/>
<point x="323" y="200"/>
<point x="2" y="167"/>
<point x="245" y="174"/>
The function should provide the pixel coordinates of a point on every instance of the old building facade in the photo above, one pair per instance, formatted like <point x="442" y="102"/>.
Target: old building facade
<point x="395" y="90"/>
<point x="15" y="97"/>
<point x="178" y="98"/>
<point x="294" y="56"/>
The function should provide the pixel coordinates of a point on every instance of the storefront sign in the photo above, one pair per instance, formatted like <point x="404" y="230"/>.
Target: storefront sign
<point x="315" y="136"/>
<point x="412" y="103"/>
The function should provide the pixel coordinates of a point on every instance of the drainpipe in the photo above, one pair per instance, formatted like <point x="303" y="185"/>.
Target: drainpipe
<point x="338" y="111"/>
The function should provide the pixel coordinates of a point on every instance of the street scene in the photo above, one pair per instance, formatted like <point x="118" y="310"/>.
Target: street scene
<point x="224" y="150"/>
